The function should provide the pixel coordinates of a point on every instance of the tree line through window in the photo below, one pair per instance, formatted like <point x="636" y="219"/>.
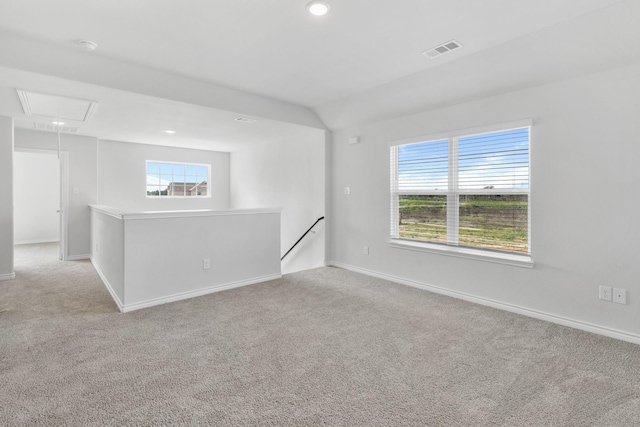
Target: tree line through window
<point x="467" y="190"/>
<point x="177" y="179"/>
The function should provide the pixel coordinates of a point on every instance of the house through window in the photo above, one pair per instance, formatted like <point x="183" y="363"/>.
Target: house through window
<point x="467" y="190"/>
<point x="177" y="179"/>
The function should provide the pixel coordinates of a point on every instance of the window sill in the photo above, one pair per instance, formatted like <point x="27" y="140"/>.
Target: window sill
<point x="178" y="197"/>
<point x="479" y="255"/>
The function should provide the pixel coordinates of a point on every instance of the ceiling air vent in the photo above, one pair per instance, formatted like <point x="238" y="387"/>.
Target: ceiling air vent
<point x="244" y="120"/>
<point x="442" y="49"/>
<point x="54" y="128"/>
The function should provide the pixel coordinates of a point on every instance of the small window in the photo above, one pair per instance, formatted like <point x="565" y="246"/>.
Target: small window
<point x="177" y="179"/>
<point x="466" y="190"/>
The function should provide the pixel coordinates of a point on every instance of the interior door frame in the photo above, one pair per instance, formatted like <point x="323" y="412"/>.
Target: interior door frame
<point x="64" y="196"/>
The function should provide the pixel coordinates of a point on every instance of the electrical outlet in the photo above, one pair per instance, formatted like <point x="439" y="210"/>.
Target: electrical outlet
<point x="605" y="293"/>
<point x="620" y="295"/>
<point x="206" y="264"/>
<point x="366" y="250"/>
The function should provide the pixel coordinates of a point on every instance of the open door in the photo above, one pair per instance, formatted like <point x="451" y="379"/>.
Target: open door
<point x="40" y="198"/>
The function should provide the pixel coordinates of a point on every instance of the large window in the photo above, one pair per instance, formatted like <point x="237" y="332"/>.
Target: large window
<point x="177" y="179"/>
<point x="467" y="190"/>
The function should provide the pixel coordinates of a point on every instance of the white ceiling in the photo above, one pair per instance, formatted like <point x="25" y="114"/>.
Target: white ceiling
<point x="361" y="62"/>
<point x="126" y="116"/>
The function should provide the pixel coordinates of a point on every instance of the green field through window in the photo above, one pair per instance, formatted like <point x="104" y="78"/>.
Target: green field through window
<point x="497" y="222"/>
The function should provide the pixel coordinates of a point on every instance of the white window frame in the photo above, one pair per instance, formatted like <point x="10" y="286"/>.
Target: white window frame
<point x="164" y="162"/>
<point x="453" y="195"/>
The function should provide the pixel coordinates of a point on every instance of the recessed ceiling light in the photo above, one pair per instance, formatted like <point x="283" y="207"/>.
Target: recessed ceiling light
<point x="169" y="131"/>
<point x="318" y="8"/>
<point x="58" y="123"/>
<point x="87" y="45"/>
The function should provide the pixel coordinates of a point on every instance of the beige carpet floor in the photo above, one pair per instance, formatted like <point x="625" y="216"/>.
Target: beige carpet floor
<point x="322" y="347"/>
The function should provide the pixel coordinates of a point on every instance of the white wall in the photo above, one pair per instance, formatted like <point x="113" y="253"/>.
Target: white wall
<point x="122" y="176"/>
<point x="243" y="249"/>
<point x="153" y="258"/>
<point x="119" y="171"/>
<point x="82" y="176"/>
<point x="290" y="175"/>
<point x="585" y="180"/>
<point x="36" y="191"/>
<point x="107" y="255"/>
<point x="6" y="198"/>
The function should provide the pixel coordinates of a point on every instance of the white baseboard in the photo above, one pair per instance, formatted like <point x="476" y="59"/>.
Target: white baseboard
<point x="124" y="308"/>
<point x="33" y="242"/>
<point x="197" y="293"/>
<point x="7" y="276"/>
<point x="78" y="257"/>
<point x="560" y="320"/>
<point x="108" y="286"/>
<point x="285" y="271"/>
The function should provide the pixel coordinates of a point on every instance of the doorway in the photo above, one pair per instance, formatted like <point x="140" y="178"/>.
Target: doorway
<point x="39" y="203"/>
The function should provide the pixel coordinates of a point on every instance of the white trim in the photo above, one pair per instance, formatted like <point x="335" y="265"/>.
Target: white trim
<point x="36" y="241"/>
<point x="529" y="202"/>
<point x="490" y="192"/>
<point x="107" y="285"/>
<point x="453" y="193"/>
<point x="191" y="214"/>
<point x="78" y="257"/>
<point x="105" y="210"/>
<point x="186" y="295"/>
<point x="24" y="100"/>
<point x="393" y="184"/>
<point x="90" y="110"/>
<point x="179" y="214"/>
<point x="7" y="276"/>
<point x="35" y="151"/>
<point x="462" y="252"/>
<point x="464" y="132"/>
<point x="64" y="205"/>
<point x="64" y="196"/>
<point x="547" y="317"/>
<point x="208" y="181"/>
<point x="26" y="106"/>
<point x="452" y="225"/>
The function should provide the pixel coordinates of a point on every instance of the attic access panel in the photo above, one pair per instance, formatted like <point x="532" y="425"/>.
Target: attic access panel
<point x="55" y="106"/>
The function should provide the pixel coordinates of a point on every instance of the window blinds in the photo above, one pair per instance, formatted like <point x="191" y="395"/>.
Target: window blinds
<point x="490" y="161"/>
<point x="423" y="166"/>
<point x="470" y="189"/>
<point x="497" y="160"/>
